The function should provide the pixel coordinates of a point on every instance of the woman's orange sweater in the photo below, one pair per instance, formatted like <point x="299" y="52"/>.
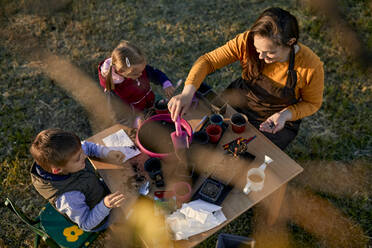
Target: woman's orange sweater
<point x="310" y="74"/>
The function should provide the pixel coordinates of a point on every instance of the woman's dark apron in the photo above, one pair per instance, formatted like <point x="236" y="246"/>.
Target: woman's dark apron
<point x="262" y="97"/>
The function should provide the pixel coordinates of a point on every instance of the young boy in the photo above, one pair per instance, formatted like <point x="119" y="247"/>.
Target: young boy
<point x="64" y="176"/>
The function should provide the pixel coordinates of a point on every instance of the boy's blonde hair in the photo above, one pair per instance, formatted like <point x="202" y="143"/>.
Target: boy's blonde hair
<point x="54" y="147"/>
<point x="123" y="55"/>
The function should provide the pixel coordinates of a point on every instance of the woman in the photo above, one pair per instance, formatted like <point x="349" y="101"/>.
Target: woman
<point x="282" y="80"/>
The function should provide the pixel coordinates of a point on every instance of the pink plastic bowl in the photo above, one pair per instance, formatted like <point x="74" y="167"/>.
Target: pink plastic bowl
<point x="162" y="117"/>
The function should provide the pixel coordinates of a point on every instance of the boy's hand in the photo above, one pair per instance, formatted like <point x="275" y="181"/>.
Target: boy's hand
<point x="169" y="91"/>
<point x="113" y="200"/>
<point x="115" y="157"/>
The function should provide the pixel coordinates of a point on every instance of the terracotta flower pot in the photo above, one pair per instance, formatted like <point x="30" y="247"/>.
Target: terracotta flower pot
<point x="214" y="132"/>
<point x="161" y="106"/>
<point x="238" y="122"/>
<point x="200" y="137"/>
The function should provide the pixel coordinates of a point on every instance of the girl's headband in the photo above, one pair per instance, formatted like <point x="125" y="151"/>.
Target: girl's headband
<point x="127" y="62"/>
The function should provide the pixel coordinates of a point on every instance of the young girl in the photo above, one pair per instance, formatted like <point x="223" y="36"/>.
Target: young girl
<point x="128" y="76"/>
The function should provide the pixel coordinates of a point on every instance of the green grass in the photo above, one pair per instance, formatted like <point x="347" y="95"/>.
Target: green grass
<point x="172" y="35"/>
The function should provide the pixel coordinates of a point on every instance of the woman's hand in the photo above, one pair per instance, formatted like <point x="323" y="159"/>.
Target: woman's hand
<point x="169" y="91"/>
<point x="113" y="200"/>
<point x="179" y="104"/>
<point x="276" y="122"/>
<point x="115" y="157"/>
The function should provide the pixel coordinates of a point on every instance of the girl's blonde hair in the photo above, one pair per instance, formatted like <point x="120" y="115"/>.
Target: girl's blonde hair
<point x="123" y="56"/>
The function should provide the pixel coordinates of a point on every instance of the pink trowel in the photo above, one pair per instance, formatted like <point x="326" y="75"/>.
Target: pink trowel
<point x="179" y="137"/>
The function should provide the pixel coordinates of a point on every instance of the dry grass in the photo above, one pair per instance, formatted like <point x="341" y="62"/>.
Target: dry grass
<point x="329" y="204"/>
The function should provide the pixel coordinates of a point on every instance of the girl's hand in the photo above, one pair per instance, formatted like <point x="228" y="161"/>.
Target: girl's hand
<point x="115" y="157"/>
<point x="138" y="121"/>
<point x="169" y="91"/>
<point x="179" y="104"/>
<point x="113" y="200"/>
<point x="276" y="122"/>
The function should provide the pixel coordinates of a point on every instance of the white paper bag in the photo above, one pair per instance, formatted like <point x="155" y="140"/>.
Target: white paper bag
<point x="195" y="217"/>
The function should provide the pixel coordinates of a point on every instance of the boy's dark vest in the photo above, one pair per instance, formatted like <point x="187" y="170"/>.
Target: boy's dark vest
<point x="86" y="181"/>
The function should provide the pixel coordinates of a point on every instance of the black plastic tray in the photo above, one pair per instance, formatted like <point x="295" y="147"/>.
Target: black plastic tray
<point x="217" y="200"/>
<point x="211" y="184"/>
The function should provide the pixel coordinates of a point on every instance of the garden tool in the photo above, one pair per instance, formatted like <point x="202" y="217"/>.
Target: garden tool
<point x="144" y="188"/>
<point x="267" y="161"/>
<point x="178" y="84"/>
<point x="256" y="177"/>
<point x="201" y="123"/>
<point x="179" y="137"/>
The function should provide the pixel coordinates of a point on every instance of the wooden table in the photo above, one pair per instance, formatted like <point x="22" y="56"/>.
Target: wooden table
<point x="278" y="173"/>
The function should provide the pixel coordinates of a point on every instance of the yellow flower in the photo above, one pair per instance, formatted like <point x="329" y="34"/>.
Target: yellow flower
<point x="72" y="233"/>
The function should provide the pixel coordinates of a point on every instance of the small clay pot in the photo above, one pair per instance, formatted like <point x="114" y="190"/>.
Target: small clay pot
<point x="200" y="137"/>
<point x="153" y="167"/>
<point x="216" y="119"/>
<point x="214" y="132"/>
<point x="182" y="192"/>
<point x="238" y="122"/>
<point x="161" y="106"/>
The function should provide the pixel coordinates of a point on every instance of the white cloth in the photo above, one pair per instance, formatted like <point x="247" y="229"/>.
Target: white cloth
<point x="195" y="217"/>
